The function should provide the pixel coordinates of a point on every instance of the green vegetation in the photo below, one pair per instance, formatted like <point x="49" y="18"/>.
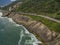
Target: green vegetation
<point x="50" y="24"/>
<point x="46" y="7"/>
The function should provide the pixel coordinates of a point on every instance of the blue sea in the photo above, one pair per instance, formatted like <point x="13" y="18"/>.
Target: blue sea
<point x="15" y="34"/>
<point x="5" y="2"/>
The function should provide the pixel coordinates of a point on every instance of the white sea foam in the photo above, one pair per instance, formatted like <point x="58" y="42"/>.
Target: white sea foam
<point x="1" y="14"/>
<point x="21" y="35"/>
<point x="18" y="25"/>
<point x="11" y="20"/>
<point x="13" y="0"/>
<point x="26" y="31"/>
<point x="36" y="41"/>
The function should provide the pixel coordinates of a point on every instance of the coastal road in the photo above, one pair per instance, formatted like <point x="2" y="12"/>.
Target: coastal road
<point x="52" y="19"/>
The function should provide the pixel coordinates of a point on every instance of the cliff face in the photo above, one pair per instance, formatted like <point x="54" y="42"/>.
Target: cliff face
<point x="48" y="37"/>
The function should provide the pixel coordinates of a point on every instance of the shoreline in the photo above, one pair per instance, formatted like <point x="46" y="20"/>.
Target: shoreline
<point x="43" y="34"/>
<point x="11" y="20"/>
<point x="26" y="31"/>
<point x="39" y="39"/>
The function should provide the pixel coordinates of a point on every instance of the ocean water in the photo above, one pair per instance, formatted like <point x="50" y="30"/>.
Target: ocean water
<point x="15" y="34"/>
<point x="5" y="2"/>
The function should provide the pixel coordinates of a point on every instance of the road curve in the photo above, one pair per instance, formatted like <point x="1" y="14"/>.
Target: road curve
<point x="52" y="19"/>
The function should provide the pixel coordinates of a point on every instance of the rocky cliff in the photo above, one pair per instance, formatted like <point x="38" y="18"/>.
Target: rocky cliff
<point x="47" y="36"/>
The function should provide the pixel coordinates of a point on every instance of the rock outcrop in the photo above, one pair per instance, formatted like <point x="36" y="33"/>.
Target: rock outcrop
<point x="48" y="37"/>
